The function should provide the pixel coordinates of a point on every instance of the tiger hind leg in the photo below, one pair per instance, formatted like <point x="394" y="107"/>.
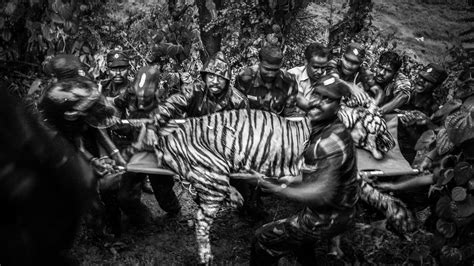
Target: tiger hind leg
<point x="399" y="218"/>
<point x="212" y="192"/>
<point x="204" y="219"/>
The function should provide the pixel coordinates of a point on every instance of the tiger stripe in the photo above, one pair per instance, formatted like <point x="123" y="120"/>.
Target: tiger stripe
<point x="205" y="150"/>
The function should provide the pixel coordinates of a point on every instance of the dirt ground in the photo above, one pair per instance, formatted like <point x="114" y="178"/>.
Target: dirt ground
<point x="421" y="29"/>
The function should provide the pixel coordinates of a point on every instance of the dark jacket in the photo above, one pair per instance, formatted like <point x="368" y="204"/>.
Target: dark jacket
<point x="279" y="99"/>
<point x="195" y="101"/>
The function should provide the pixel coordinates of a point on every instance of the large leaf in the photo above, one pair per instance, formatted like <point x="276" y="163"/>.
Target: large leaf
<point x="426" y="140"/>
<point x="465" y="208"/>
<point x="443" y="143"/>
<point x="462" y="173"/>
<point x="458" y="194"/>
<point x="442" y="176"/>
<point x="443" y="208"/>
<point x="450" y="256"/>
<point x="446" y="109"/>
<point x="447" y="175"/>
<point x="448" y="161"/>
<point x="446" y="228"/>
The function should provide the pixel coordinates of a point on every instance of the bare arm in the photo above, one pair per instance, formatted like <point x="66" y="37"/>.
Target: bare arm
<point x="407" y="184"/>
<point x="397" y="102"/>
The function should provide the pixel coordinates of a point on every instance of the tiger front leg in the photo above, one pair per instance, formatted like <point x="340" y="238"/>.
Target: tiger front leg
<point x="204" y="218"/>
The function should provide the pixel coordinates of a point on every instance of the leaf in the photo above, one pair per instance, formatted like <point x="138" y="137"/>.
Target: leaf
<point x="45" y="30"/>
<point x="35" y="86"/>
<point x="443" y="143"/>
<point x="446" y="228"/>
<point x="443" y="208"/>
<point x="450" y="256"/>
<point x="458" y="194"/>
<point x="465" y="208"/>
<point x="6" y="35"/>
<point x="443" y="176"/>
<point x="86" y="49"/>
<point x="447" y="109"/>
<point x="462" y="173"/>
<point x="426" y="139"/>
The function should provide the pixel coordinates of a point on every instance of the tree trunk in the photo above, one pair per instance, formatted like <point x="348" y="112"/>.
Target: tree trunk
<point x="352" y="23"/>
<point x="212" y="38"/>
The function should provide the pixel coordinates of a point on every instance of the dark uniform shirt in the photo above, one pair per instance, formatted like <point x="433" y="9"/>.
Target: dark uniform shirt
<point x="280" y="98"/>
<point x="330" y="157"/>
<point x="195" y="101"/>
<point x="422" y="102"/>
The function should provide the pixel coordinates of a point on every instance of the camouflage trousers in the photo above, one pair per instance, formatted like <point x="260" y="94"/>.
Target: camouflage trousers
<point x="298" y="234"/>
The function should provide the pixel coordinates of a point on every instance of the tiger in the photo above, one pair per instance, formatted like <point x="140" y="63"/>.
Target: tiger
<point x="204" y="151"/>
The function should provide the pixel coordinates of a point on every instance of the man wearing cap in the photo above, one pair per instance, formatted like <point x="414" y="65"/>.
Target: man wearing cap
<point x="75" y="108"/>
<point x="59" y="67"/>
<point x="139" y="101"/>
<point x="118" y="67"/>
<point x="213" y="94"/>
<point x="65" y="66"/>
<point x="266" y="85"/>
<point x="421" y="106"/>
<point x="348" y="66"/>
<point x="451" y="111"/>
<point x="429" y="78"/>
<point x="329" y="188"/>
<point x="395" y="85"/>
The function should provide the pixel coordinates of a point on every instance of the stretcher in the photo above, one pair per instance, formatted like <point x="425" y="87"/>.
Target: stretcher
<point x="393" y="164"/>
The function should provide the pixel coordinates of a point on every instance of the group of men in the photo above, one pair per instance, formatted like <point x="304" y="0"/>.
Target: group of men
<point x="329" y="188"/>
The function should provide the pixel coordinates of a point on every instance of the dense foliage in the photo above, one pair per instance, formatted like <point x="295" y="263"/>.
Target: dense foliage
<point x="175" y="37"/>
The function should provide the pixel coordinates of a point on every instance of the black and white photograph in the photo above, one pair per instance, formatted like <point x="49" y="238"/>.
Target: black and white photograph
<point x="224" y="132"/>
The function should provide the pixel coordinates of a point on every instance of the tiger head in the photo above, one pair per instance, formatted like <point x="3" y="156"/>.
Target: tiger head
<point x="368" y="129"/>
